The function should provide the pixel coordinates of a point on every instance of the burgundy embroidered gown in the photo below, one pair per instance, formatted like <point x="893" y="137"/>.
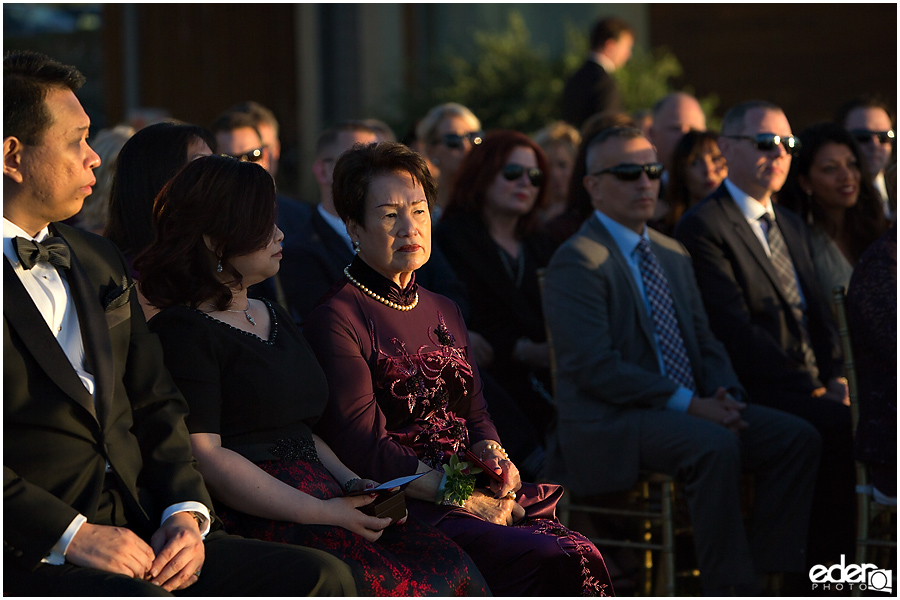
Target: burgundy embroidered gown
<point x="261" y="396"/>
<point x="402" y="390"/>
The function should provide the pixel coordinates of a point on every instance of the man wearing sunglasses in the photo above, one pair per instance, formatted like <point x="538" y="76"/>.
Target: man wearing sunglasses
<point x="642" y="379"/>
<point x="868" y="119"/>
<point x="753" y="266"/>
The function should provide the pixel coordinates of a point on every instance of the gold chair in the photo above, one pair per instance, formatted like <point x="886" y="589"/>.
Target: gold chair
<point x="652" y="515"/>
<point x="867" y="508"/>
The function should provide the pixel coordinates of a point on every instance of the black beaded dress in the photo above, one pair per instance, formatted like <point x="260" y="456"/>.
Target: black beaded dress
<point x="261" y="396"/>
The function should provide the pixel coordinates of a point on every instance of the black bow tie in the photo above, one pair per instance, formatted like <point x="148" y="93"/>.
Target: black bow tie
<point x="53" y="250"/>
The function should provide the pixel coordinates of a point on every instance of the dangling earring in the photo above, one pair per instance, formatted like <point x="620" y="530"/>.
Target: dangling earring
<point x="356" y="246"/>
<point x="219" y="266"/>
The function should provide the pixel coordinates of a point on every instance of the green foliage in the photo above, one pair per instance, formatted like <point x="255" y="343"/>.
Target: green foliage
<point x="460" y="481"/>
<point x="512" y="84"/>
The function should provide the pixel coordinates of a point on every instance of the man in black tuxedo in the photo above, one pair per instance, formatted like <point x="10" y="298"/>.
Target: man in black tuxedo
<point x="752" y="263"/>
<point x="592" y="89"/>
<point x="101" y="494"/>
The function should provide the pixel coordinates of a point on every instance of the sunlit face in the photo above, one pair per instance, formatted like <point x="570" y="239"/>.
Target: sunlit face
<point x="196" y="149"/>
<point x="759" y="173"/>
<point x="242" y="140"/>
<point x="871" y="118"/>
<point x="562" y="163"/>
<point x="57" y="173"/>
<point x="396" y="239"/>
<point x="834" y="177"/>
<point x="516" y="197"/>
<point x="705" y="172"/>
<point x="263" y="263"/>
<point x="679" y="115"/>
<point x="448" y="159"/>
<point x="630" y="203"/>
<point x="619" y="51"/>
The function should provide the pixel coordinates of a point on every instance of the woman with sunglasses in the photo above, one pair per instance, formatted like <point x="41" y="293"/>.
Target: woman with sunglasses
<point x="449" y="131"/>
<point x="698" y="168"/>
<point x="406" y="397"/>
<point x="829" y="186"/>
<point x="254" y="389"/>
<point x="489" y="233"/>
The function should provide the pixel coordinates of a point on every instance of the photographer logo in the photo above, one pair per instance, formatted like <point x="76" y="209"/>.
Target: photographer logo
<point x="854" y="577"/>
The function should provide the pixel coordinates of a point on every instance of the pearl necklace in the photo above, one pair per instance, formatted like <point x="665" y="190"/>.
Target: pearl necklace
<point x="381" y="299"/>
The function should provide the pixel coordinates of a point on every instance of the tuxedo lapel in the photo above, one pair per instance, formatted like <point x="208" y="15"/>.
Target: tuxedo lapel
<point x="743" y="231"/>
<point x="94" y="335"/>
<point x="334" y="248"/>
<point x="602" y="235"/>
<point x="24" y="317"/>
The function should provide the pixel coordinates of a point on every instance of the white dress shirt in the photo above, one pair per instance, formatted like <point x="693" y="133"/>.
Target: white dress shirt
<point x="49" y="289"/>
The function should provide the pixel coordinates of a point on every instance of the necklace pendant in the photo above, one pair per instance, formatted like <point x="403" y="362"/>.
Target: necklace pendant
<point x="249" y="317"/>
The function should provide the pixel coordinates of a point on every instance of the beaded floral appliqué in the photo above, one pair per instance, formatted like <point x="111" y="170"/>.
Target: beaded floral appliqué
<point x="574" y="544"/>
<point x="420" y="381"/>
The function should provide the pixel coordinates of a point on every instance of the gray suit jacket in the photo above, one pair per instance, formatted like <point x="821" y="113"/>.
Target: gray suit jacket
<point x="608" y="370"/>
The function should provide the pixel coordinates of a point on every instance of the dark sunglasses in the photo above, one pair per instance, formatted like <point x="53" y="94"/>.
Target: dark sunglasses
<point x="864" y="136"/>
<point x="632" y="171"/>
<point x="250" y="155"/>
<point x="512" y="171"/>
<point x="768" y="141"/>
<point x="454" y="140"/>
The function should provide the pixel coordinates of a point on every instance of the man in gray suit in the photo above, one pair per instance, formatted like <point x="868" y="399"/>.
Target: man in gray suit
<point x="643" y="383"/>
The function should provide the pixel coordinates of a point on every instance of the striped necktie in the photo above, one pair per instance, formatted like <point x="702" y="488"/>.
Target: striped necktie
<point x="781" y="260"/>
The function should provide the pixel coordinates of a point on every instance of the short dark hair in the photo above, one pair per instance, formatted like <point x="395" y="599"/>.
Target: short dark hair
<point x="257" y="111"/>
<point x="357" y="167"/>
<point x="145" y="164"/>
<point x="864" y="222"/>
<point x="27" y="78"/>
<point x="733" y="121"/>
<point x="478" y="170"/>
<point x="578" y="203"/>
<point x="330" y="135"/>
<point x="230" y="201"/>
<point x="610" y="28"/>
<point x="865" y="101"/>
<point x="625" y="133"/>
<point x="231" y="120"/>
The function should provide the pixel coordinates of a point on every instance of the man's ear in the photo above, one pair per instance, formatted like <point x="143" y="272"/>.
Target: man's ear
<point x="320" y="172"/>
<point x="12" y="158"/>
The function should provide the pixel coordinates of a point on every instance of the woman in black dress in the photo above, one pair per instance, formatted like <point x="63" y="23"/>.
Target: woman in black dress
<point x="254" y="388"/>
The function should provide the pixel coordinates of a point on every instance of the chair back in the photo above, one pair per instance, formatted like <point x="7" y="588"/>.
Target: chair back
<point x="541" y="273"/>
<point x="838" y="296"/>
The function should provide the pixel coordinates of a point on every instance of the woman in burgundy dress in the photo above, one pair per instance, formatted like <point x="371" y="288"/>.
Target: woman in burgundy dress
<point x="254" y="389"/>
<point x="405" y="398"/>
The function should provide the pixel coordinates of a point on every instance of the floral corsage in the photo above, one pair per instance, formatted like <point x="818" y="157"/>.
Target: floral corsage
<point x="458" y="482"/>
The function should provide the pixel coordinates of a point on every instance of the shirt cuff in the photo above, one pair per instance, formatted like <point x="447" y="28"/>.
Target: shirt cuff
<point x="194" y="507"/>
<point x="57" y="554"/>
<point x="680" y="400"/>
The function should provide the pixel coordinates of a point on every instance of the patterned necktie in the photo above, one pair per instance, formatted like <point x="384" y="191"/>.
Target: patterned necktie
<point x="53" y="250"/>
<point x="781" y="260"/>
<point x="662" y="310"/>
